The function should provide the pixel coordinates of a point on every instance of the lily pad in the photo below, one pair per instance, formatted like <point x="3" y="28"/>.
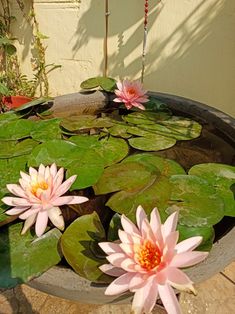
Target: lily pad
<point x="106" y="83"/>
<point x="24" y="257"/>
<point x="9" y="149"/>
<point x="139" y="179"/>
<point x="152" y="143"/>
<point x="221" y="177"/>
<point x="110" y="149"/>
<point x="79" y="245"/>
<point x="46" y="130"/>
<point x="57" y="151"/>
<point x="10" y="171"/>
<point x="207" y="233"/>
<point x="85" y="122"/>
<point x="88" y="168"/>
<point x="197" y="202"/>
<point x="15" y="130"/>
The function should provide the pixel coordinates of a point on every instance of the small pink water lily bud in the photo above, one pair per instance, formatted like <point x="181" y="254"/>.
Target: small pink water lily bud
<point x="147" y="261"/>
<point x="131" y="93"/>
<point x="39" y="196"/>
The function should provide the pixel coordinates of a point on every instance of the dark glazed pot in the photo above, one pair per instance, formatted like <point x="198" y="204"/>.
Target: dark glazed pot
<point x="65" y="283"/>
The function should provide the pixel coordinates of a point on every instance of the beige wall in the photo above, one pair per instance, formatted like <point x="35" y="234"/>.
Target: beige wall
<point x="191" y="45"/>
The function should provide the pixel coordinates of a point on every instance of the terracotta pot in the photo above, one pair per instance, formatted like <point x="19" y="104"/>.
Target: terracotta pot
<point x="15" y="101"/>
<point x="64" y="282"/>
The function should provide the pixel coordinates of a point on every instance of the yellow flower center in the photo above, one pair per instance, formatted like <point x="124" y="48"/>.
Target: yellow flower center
<point x="148" y="255"/>
<point x="39" y="185"/>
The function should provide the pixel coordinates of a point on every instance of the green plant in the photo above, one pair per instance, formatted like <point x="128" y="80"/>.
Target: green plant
<point x="12" y="80"/>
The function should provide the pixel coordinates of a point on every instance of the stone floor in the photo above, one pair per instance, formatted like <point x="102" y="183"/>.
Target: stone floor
<point x="215" y="296"/>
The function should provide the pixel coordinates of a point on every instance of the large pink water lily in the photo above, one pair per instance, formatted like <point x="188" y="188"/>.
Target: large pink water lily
<point x="38" y="196"/>
<point x="147" y="261"/>
<point x="131" y="93"/>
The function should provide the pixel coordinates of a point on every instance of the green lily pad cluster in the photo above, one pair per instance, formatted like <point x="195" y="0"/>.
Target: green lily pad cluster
<point x="97" y="150"/>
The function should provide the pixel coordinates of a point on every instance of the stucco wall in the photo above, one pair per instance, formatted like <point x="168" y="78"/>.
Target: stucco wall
<point x="191" y="45"/>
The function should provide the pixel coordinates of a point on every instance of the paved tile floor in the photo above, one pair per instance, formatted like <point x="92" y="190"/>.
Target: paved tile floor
<point x="215" y="296"/>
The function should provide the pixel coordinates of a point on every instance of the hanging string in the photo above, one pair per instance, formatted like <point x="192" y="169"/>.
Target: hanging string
<point x="146" y="9"/>
<point x="107" y="13"/>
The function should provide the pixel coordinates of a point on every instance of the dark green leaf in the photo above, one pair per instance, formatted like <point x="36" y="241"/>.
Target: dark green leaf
<point x="46" y="130"/>
<point x="15" y="130"/>
<point x="9" y="149"/>
<point x="35" y="102"/>
<point x="25" y="257"/>
<point x="207" y="233"/>
<point x="197" y="202"/>
<point x="80" y="246"/>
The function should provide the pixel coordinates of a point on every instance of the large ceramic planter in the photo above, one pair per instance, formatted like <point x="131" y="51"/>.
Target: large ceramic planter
<point x="65" y="283"/>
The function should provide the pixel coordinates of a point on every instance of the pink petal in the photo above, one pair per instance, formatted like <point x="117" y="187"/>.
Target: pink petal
<point x="169" y="299"/>
<point x="127" y="248"/>
<point x="155" y="220"/>
<point x="137" y="281"/>
<point x="140" y="216"/>
<point x="138" y="105"/>
<point x="16" y="189"/>
<point x="58" y="179"/>
<point x="147" y="232"/>
<point x="177" y="276"/>
<point x="55" y="216"/>
<point x="170" y="224"/>
<point x="119" y="285"/>
<point x="53" y="170"/>
<point x="47" y="174"/>
<point x="33" y="172"/>
<point x="145" y="298"/>
<point x="169" y="249"/>
<point x="41" y="223"/>
<point x="128" y="264"/>
<point x="188" y="244"/>
<point x="29" y="213"/>
<point x="116" y="259"/>
<point x="16" y="201"/>
<point x="16" y="210"/>
<point x="64" y="187"/>
<point x="128" y="225"/>
<point x="112" y="270"/>
<point x="41" y="170"/>
<point x="110" y="247"/>
<point x="28" y="223"/>
<point x="69" y="200"/>
<point x="186" y="259"/>
<point x="128" y="238"/>
<point x="25" y="177"/>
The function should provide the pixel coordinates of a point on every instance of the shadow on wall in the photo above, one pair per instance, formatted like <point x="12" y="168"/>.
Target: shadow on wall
<point x="192" y="55"/>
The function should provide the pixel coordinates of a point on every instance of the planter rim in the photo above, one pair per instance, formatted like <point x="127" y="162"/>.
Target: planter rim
<point x="64" y="282"/>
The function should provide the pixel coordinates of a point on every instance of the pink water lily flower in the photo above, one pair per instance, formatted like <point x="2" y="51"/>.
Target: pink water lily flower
<point x="147" y="261"/>
<point x="131" y="93"/>
<point x="38" y="196"/>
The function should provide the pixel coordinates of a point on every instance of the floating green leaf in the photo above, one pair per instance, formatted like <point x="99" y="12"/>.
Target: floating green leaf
<point x="152" y="143"/>
<point x="88" y="168"/>
<point x="197" y="202"/>
<point x="85" y="122"/>
<point x="106" y="83"/>
<point x="57" y="151"/>
<point x="24" y="257"/>
<point x="15" y="130"/>
<point x="207" y="233"/>
<point x="9" y="149"/>
<point x="221" y="177"/>
<point x="46" y="130"/>
<point x="79" y="245"/>
<point x="10" y="171"/>
<point x="139" y="179"/>
<point x="110" y="149"/>
<point x="114" y="226"/>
